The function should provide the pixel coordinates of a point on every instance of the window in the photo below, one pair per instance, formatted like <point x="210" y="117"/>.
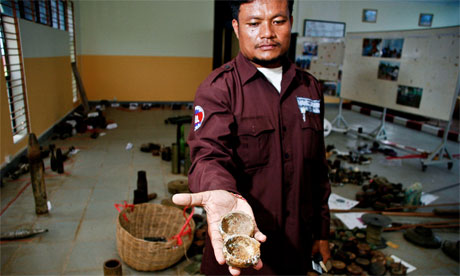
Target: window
<point x="54" y="13"/>
<point x="28" y="8"/>
<point x="42" y="13"/>
<point x="70" y="28"/>
<point x="62" y="15"/>
<point x="12" y="66"/>
<point x="319" y="28"/>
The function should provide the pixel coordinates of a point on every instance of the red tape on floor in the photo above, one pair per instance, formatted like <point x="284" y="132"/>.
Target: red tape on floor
<point x="14" y="199"/>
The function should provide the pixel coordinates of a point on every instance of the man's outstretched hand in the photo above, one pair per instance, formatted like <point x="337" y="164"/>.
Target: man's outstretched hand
<point x="217" y="204"/>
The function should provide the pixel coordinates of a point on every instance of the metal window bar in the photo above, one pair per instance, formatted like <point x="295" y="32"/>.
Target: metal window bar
<point x="9" y="33"/>
<point x="10" y="81"/>
<point x="14" y="86"/>
<point x="14" y="96"/>
<point x="22" y="126"/>
<point x="17" y="111"/>
<point x="18" y="116"/>
<point x="17" y="101"/>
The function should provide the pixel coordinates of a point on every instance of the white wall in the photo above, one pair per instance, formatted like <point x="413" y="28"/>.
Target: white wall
<point x="38" y="40"/>
<point x="145" y="28"/>
<point x="391" y="15"/>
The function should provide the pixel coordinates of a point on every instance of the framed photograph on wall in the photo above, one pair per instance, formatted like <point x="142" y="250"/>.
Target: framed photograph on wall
<point x="409" y="96"/>
<point x="320" y="28"/>
<point x="369" y="16"/>
<point x="425" y="19"/>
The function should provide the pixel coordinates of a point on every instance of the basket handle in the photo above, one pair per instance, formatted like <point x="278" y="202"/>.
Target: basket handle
<point x="126" y="205"/>
<point x="184" y="232"/>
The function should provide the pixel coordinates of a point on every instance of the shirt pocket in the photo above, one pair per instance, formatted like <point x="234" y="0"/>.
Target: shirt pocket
<point x="312" y="132"/>
<point x="255" y="138"/>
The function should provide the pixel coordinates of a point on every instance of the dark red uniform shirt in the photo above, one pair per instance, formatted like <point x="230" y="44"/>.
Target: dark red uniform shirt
<point x="250" y="139"/>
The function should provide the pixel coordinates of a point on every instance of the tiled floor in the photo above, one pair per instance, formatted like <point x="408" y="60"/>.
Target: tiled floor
<point x="82" y="225"/>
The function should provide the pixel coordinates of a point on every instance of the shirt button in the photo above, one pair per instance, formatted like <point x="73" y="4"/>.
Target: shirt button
<point x="284" y="128"/>
<point x="286" y="155"/>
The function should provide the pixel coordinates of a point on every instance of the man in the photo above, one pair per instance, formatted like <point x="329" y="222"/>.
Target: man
<point x="257" y="146"/>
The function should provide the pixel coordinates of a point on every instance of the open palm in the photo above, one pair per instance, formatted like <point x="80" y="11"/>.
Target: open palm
<point x="217" y="204"/>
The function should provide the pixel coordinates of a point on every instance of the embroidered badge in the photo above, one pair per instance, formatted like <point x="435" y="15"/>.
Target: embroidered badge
<point x="199" y="116"/>
<point x="308" y="105"/>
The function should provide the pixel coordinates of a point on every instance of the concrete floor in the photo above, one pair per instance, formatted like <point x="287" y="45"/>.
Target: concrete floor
<point x="82" y="225"/>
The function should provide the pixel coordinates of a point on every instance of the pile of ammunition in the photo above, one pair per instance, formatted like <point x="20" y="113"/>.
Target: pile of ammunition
<point x="340" y="175"/>
<point x="380" y="194"/>
<point x="352" y="255"/>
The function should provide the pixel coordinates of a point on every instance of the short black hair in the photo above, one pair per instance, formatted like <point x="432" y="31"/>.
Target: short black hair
<point x="235" y="6"/>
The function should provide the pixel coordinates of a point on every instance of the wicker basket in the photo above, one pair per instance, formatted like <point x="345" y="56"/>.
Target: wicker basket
<point x="151" y="220"/>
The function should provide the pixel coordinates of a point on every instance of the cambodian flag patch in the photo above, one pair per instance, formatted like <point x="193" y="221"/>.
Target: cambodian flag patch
<point x="199" y="116"/>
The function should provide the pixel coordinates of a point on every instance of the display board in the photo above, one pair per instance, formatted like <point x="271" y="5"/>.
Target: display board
<point x="322" y="57"/>
<point x="411" y="71"/>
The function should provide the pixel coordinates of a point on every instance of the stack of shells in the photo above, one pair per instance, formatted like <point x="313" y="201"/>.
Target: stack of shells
<point x="240" y="248"/>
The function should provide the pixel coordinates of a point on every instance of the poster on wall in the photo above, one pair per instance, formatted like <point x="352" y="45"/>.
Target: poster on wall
<point x="392" y="48"/>
<point x="428" y="71"/>
<point x="309" y="50"/>
<point x="409" y="96"/>
<point x="388" y="70"/>
<point x="303" y="62"/>
<point x="372" y="47"/>
<point x="329" y="88"/>
<point x="320" y="56"/>
<point x="387" y="48"/>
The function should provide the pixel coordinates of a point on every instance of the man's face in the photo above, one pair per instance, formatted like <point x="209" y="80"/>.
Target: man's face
<point x="264" y="31"/>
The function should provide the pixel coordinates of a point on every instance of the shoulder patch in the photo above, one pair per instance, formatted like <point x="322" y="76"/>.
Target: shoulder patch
<point x="199" y="117"/>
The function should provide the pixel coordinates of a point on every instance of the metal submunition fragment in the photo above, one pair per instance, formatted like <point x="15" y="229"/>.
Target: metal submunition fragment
<point x="240" y="248"/>
<point x="37" y="175"/>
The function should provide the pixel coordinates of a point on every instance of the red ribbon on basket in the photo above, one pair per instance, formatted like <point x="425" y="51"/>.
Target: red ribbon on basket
<point x="184" y="232"/>
<point x="126" y="205"/>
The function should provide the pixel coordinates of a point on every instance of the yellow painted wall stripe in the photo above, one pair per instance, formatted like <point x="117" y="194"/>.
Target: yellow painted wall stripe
<point x="49" y="90"/>
<point x="143" y="78"/>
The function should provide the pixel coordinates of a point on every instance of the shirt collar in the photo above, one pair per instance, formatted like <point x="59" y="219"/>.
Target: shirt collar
<point x="247" y="70"/>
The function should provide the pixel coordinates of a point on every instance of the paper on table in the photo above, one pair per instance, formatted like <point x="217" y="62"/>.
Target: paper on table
<point x="428" y="198"/>
<point x="341" y="203"/>
<point x="410" y="267"/>
<point x="351" y="220"/>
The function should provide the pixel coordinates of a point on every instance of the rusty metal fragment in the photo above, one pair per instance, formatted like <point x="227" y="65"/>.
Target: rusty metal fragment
<point x="37" y="175"/>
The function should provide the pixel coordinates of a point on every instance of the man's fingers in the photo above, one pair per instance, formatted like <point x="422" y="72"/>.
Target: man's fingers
<point x="217" y="244"/>
<point x="259" y="265"/>
<point x="260" y="236"/>
<point x="234" y="271"/>
<point x="197" y="199"/>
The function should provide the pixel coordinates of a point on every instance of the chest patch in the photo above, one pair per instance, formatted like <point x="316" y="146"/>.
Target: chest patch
<point x="199" y="116"/>
<point x="308" y="105"/>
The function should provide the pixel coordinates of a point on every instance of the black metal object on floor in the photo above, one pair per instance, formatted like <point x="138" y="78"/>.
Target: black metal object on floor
<point x="179" y="121"/>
